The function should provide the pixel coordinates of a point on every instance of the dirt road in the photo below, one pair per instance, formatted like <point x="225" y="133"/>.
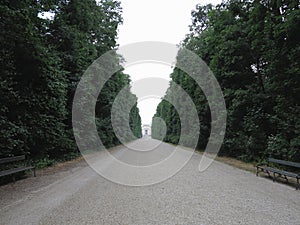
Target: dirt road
<point x="220" y="195"/>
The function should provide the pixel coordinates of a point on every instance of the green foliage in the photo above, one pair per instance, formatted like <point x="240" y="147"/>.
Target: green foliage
<point x="167" y="128"/>
<point x="44" y="162"/>
<point x="42" y="61"/>
<point x="135" y="122"/>
<point x="252" y="48"/>
<point x="108" y="94"/>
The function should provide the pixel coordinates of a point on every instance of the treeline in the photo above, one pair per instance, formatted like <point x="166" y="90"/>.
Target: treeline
<point x="253" y="49"/>
<point x="42" y="61"/>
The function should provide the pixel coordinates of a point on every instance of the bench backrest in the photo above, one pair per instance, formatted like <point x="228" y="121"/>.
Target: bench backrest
<point x="283" y="162"/>
<point x="12" y="159"/>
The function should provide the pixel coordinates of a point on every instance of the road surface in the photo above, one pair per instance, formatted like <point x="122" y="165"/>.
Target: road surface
<point x="220" y="195"/>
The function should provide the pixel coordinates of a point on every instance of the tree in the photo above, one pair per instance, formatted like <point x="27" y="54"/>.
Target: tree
<point x="34" y="106"/>
<point x="42" y="61"/>
<point x="251" y="47"/>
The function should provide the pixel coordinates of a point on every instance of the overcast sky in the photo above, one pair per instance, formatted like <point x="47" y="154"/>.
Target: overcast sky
<point x="154" y="20"/>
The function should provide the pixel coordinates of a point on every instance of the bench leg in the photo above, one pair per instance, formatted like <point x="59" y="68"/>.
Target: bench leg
<point x="258" y="169"/>
<point x="34" y="174"/>
<point x="285" y="177"/>
<point x="297" y="185"/>
<point x="274" y="177"/>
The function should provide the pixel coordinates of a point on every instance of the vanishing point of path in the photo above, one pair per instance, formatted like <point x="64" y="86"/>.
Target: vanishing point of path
<point x="220" y="195"/>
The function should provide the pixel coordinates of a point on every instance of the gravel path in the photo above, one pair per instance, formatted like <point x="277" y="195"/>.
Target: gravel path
<point x="220" y="195"/>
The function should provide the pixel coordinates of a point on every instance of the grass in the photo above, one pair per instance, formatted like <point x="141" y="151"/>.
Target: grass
<point x="248" y="166"/>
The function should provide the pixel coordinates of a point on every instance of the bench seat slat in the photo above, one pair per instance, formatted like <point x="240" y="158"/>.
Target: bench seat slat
<point x="267" y="169"/>
<point x="286" y="173"/>
<point x="283" y="162"/>
<point x="15" y="170"/>
<point x="12" y="159"/>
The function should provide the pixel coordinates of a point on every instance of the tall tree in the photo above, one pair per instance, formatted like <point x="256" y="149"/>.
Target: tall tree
<point x="42" y="61"/>
<point x="252" y="47"/>
<point x="33" y="88"/>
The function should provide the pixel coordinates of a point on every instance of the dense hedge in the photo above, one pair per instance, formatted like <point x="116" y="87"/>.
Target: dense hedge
<point x="253" y="48"/>
<point x="41" y="62"/>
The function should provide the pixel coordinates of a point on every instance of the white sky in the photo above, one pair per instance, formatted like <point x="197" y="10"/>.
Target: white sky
<point x="154" y="20"/>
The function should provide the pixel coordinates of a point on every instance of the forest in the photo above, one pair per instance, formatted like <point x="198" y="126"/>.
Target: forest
<point x="42" y="60"/>
<point x="253" y="49"/>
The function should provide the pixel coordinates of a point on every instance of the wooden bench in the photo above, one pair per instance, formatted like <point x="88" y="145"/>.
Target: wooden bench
<point x="16" y="169"/>
<point x="282" y="173"/>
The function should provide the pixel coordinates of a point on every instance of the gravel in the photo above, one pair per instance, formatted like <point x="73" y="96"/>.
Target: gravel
<point x="220" y="195"/>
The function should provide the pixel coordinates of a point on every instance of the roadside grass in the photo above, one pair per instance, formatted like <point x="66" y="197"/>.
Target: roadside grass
<point x="248" y="166"/>
<point x="59" y="166"/>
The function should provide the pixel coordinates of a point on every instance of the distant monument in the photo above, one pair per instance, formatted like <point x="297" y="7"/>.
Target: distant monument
<point x="146" y="130"/>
